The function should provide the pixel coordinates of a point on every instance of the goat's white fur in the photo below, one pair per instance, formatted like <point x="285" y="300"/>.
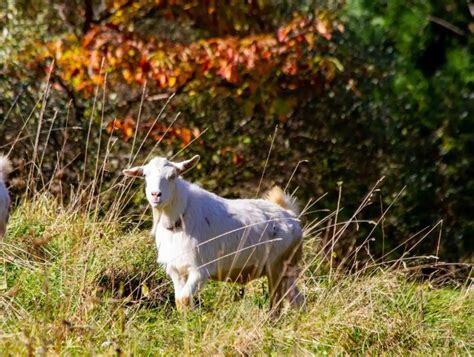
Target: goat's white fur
<point x="217" y="238"/>
<point x="5" y="168"/>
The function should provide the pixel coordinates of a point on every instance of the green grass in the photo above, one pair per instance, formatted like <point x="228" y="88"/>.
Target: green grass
<point x="82" y="286"/>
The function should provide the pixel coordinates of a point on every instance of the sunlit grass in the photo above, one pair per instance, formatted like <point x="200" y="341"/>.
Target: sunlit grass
<point x="81" y="284"/>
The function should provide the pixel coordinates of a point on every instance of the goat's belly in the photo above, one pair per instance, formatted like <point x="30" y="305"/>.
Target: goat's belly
<point x="239" y="268"/>
<point x="238" y="274"/>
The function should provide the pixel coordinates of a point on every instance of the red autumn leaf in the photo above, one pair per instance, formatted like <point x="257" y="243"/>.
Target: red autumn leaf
<point x="290" y="67"/>
<point x="144" y="64"/>
<point x="237" y="158"/>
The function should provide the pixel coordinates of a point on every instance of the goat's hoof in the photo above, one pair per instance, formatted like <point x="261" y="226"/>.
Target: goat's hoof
<point x="183" y="304"/>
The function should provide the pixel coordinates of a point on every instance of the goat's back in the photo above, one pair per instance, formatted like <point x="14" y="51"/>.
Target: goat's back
<point x="240" y="235"/>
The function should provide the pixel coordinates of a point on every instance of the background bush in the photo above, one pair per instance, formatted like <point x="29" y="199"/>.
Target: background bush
<point x="361" y="90"/>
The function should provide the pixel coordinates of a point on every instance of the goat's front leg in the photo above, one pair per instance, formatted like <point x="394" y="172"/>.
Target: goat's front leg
<point x="184" y="298"/>
<point x="178" y="280"/>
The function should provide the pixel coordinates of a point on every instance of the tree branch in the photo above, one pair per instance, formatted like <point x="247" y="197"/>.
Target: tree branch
<point x="88" y="17"/>
<point x="446" y="24"/>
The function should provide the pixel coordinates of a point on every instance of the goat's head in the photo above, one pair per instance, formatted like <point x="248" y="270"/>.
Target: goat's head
<point x="160" y="178"/>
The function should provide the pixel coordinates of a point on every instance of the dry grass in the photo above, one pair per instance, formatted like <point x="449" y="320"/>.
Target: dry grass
<point x="81" y="284"/>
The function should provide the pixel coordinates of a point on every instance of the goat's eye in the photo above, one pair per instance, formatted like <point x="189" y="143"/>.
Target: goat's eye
<point x="172" y="176"/>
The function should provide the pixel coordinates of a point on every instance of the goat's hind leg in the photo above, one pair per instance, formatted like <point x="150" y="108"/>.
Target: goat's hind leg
<point x="275" y="286"/>
<point x="290" y="290"/>
<point x="290" y="277"/>
<point x="282" y="279"/>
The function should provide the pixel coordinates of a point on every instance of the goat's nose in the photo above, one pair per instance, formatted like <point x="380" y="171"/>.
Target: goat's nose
<point x="156" y="194"/>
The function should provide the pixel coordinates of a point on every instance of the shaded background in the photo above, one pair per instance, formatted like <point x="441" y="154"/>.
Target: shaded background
<point x="360" y="89"/>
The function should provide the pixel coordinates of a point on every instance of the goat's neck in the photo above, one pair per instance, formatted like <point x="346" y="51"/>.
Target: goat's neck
<point x="174" y="210"/>
<point x="156" y="220"/>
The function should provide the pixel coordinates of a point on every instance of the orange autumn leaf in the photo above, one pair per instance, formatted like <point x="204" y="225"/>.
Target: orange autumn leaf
<point x="171" y="81"/>
<point x="186" y="135"/>
<point x="323" y="28"/>
<point x="125" y="128"/>
<point x="128" y="129"/>
<point x="127" y="75"/>
<point x="113" y="125"/>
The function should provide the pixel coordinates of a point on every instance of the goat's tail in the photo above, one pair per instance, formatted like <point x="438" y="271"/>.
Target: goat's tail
<point x="5" y="167"/>
<point x="279" y="197"/>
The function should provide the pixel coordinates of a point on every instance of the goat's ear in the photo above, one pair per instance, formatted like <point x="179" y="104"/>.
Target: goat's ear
<point x="184" y="166"/>
<point x="134" y="171"/>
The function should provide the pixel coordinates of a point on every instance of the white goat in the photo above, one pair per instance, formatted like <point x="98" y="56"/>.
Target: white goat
<point x="201" y="236"/>
<point x="5" y="167"/>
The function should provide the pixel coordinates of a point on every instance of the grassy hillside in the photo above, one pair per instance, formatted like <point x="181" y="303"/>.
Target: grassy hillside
<point x="80" y="284"/>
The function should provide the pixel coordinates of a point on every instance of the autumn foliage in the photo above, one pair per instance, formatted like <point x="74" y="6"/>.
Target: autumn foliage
<point x="258" y="66"/>
<point x="156" y="131"/>
<point x="242" y="62"/>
